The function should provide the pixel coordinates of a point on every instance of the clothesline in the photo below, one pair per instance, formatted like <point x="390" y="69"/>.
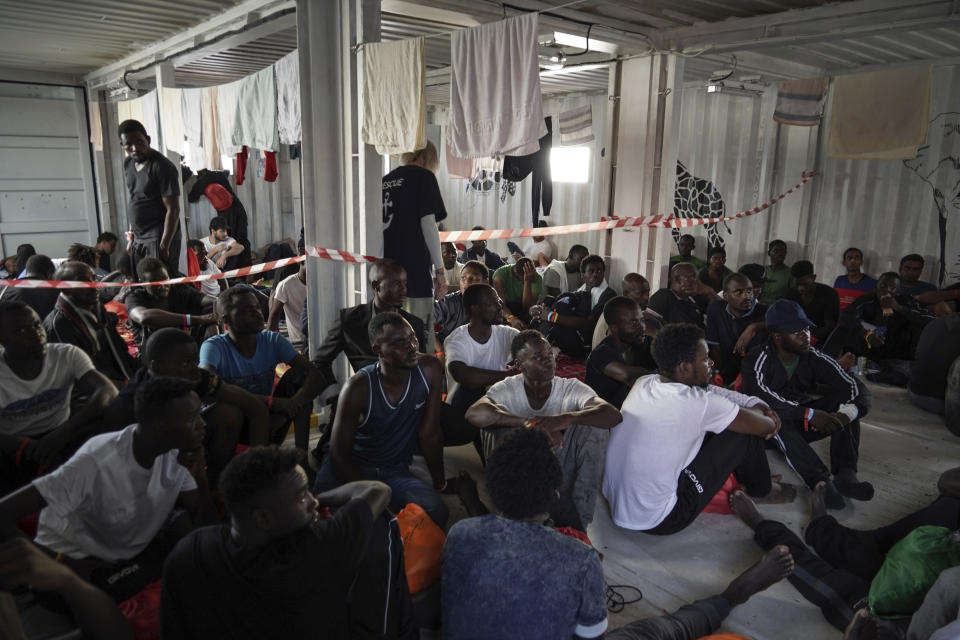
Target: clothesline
<point x="355" y="48"/>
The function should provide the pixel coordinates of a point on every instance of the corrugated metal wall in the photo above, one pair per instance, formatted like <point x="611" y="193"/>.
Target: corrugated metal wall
<point x="883" y="207"/>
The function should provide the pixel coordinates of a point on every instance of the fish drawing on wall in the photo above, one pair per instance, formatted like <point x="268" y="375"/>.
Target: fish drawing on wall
<point x="938" y="164"/>
<point x="695" y="197"/>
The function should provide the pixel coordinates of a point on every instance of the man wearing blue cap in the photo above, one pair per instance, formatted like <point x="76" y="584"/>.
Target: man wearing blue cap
<point x="784" y="373"/>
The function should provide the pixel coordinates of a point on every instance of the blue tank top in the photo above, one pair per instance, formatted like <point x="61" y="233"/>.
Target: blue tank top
<point x="388" y="433"/>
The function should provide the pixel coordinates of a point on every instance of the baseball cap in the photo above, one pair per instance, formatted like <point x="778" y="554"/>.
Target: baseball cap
<point x="756" y="272"/>
<point x="218" y="222"/>
<point x="787" y="315"/>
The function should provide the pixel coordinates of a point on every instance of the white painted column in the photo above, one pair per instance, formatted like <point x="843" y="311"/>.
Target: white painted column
<point x="369" y="163"/>
<point x="645" y="166"/>
<point x="322" y="47"/>
<point x="165" y="78"/>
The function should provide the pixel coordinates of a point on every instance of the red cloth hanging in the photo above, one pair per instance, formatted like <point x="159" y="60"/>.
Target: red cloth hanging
<point x="270" y="168"/>
<point x="193" y="267"/>
<point x="241" y="165"/>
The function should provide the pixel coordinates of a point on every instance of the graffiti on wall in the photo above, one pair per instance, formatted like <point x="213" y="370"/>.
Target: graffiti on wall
<point x="938" y="164"/>
<point x="698" y="198"/>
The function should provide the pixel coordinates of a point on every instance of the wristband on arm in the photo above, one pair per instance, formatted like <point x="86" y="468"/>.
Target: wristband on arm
<point x="807" y="416"/>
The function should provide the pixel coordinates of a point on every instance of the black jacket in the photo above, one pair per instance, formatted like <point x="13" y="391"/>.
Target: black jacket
<point x="817" y="373"/>
<point x="349" y="335"/>
<point x="903" y="328"/>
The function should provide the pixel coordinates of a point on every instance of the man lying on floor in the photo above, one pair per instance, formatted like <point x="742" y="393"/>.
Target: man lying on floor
<point x="514" y="576"/>
<point x="111" y="510"/>
<point x="839" y="578"/>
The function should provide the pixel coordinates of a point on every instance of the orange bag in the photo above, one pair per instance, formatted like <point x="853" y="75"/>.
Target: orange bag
<point x="720" y="503"/>
<point x="422" y="547"/>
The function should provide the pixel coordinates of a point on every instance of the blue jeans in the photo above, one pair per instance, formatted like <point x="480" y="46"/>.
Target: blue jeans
<point x="406" y="488"/>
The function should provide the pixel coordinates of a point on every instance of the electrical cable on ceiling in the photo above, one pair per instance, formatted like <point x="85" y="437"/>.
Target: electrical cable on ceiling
<point x="587" y="49"/>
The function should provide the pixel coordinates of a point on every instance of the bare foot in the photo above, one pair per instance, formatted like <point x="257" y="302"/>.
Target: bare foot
<point x="774" y="566"/>
<point x="780" y="492"/>
<point x="746" y="510"/>
<point x="818" y="505"/>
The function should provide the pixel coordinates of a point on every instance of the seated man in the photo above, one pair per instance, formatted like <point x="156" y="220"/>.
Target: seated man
<point x="478" y="251"/>
<point x="289" y="298"/>
<point x="820" y="302"/>
<point x="837" y="579"/>
<point x="37" y="424"/>
<point x="39" y="267"/>
<point x="560" y="276"/>
<point x="477" y="354"/>
<point x="388" y="411"/>
<point x="716" y="270"/>
<point x="637" y="288"/>
<point x="448" y="311"/>
<point x="735" y="325"/>
<point x="171" y="352"/>
<point x="787" y="373"/>
<point x="221" y="248"/>
<point x="279" y="569"/>
<point x="91" y="612"/>
<point x="491" y="564"/>
<point x="519" y="286"/>
<point x="685" y="300"/>
<point x="622" y="357"/>
<point x="777" y="273"/>
<point x="247" y="356"/>
<point x="685" y="246"/>
<point x="80" y="319"/>
<point x="938" y="348"/>
<point x="156" y="306"/>
<point x="570" y="322"/>
<point x="758" y="276"/>
<point x="682" y="438"/>
<point x="104" y="508"/>
<point x="448" y="252"/>
<point x="349" y="331"/>
<point x="207" y="268"/>
<point x="567" y="410"/>
<point x="883" y="326"/>
<point x="539" y="248"/>
<point x="911" y="267"/>
<point x="854" y="283"/>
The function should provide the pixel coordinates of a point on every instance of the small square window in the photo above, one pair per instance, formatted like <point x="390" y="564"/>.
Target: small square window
<point x="570" y="164"/>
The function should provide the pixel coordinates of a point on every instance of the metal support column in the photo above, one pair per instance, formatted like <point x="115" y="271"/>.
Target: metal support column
<point x="322" y="48"/>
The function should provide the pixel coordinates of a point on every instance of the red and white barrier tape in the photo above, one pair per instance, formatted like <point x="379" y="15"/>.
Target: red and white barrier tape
<point x="665" y="221"/>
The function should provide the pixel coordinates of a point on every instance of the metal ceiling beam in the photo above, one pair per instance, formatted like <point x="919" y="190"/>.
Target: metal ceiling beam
<point x="247" y="12"/>
<point x="859" y="18"/>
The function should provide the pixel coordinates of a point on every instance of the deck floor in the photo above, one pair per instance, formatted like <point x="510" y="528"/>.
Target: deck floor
<point x="903" y="451"/>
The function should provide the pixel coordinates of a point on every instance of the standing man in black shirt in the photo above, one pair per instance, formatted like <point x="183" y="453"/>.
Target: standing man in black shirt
<point x="153" y="183"/>
<point x="820" y="302"/>
<point x="412" y="207"/>
<point x="623" y="356"/>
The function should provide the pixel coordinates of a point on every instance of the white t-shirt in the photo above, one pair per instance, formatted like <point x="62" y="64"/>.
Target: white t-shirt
<point x="663" y="426"/>
<point x="453" y="276"/>
<point x="555" y="275"/>
<point x="293" y="294"/>
<point x="34" y="407"/>
<point x="210" y="287"/>
<point x="494" y="354"/>
<point x="210" y="245"/>
<point x="102" y="503"/>
<point x="566" y="394"/>
<point x="533" y="249"/>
